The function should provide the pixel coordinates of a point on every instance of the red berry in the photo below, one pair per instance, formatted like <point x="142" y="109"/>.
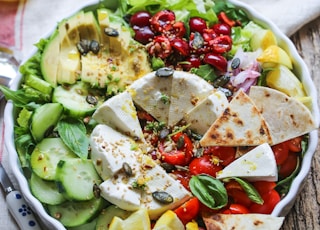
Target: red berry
<point x="222" y="28"/>
<point x="217" y="61"/>
<point x="140" y="19"/>
<point x="143" y="35"/>
<point x="197" y="24"/>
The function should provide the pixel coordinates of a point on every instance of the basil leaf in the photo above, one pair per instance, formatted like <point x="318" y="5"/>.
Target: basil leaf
<point x="73" y="134"/>
<point x="210" y="191"/>
<point x="250" y="190"/>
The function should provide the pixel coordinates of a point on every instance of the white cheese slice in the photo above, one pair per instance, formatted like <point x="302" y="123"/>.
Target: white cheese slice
<point x="257" y="164"/>
<point x="188" y="90"/>
<point x="110" y="149"/>
<point x="150" y="93"/>
<point x="118" y="190"/>
<point x="119" y="113"/>
<point x="158" y="180"/>
<point x="205" y="113"/>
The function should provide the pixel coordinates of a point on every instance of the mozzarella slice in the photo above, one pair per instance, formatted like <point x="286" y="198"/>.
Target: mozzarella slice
<point x="110" y="149"/>
<point x="120" y="113"/>
<point x="151" y="94"/>
<point x="257" y="164"/>
<point x="206" y="112"/>
<point x="187" y="91"/>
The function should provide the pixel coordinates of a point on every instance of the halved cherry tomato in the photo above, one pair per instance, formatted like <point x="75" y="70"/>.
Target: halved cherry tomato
<point x="160" y="47"/>
<point x="225" y="154"/>
<point x="294" y="145"/>
<point x="189" y="210"/>
<point x="237" y="194"/>
<point x="271" y="199"/>
<point x="204" y="165"/>
<point x="180" y="156"/>
<point x="264" y="187"/>
<point x="280" y="152"/>
<point x="221" y="44"/>
<point x="184" y="178"/>
<point x="236" y="209"/>
<point x="162" y="21"/>
<point x="289" y="165"/>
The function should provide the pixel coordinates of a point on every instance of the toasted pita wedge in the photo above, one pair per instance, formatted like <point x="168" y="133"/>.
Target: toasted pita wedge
<point x="150" y="93"/>
<point x="240" y="124"/>
<point x="187" y="91"/>
<point x="242" y="222"/>
<point x="286" y="116"/>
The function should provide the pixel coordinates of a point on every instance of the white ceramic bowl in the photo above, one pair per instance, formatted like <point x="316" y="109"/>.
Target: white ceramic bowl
<point x="282" y="208"/>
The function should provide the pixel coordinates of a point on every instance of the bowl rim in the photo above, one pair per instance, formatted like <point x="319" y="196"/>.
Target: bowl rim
<point x="281" y="209"/>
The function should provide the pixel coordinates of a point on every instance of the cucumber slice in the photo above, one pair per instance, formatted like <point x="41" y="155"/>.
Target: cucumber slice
<point x="39" y="84"/>
<point x="72" y="213"/>
<point x="78" y="99"/>
<point x="45" y="191"/>
<point x="44" y="118"/>
<point x="46" y="155"/>
<point x="87" y="226"/>
<point x="76" y="178"/>
<point x="105" y="217"/>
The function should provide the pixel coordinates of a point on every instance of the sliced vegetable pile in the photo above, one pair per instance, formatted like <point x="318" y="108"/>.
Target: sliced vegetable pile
<point x="95" y="56"/>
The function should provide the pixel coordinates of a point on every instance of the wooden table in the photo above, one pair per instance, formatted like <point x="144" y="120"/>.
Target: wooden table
<point x="306" y="211"/>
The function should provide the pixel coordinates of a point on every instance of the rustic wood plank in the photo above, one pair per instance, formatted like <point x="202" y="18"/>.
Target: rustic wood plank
<point x="305" y="213"/>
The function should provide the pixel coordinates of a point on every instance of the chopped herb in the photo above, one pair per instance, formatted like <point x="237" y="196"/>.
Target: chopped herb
<point x="165" y="99"/>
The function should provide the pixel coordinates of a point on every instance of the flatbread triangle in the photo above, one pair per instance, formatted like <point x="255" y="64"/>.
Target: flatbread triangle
<point x="241" y="124"/>
<point x="286" y="116"/>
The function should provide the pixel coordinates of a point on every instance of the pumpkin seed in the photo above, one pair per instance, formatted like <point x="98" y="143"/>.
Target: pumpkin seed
<point x="162" y="197"/>
<point x="96" y="190"/>
<point x="168" y="167"/>
<point x="111" y="32"/>
<point x="92" y="100"/>
<point x="164" y="72"/>
<point x="235" y="63"/>
<point x="127" y="169"/>
<point x="94" y="46"/>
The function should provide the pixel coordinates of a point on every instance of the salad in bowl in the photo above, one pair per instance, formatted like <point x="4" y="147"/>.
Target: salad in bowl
<point x="162" y="115"/>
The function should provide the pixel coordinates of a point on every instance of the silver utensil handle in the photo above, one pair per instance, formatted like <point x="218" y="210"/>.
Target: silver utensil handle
<point x="21" y="212"/>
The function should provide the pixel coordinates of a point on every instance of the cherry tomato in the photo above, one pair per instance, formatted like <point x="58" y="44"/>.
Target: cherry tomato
<point x="221" y="44"/>
<point x="237" y="194"/>
<point x="264" y="187"/>
<point x="289" y="165"/>
<point x="216" y="60"/>
<point x="280" y="152"/>
<point x="222" y="29"/>
<point x="236" y="209"/>
<point x="181" y="46"/>
<point x="197" y="24"/>
<point x="162" y="21"/>
<point x="160" y="47"/>
<point x="271" y="199"/>
<point x="225" y="154"/>
<point x="179" y="30"/>
<point x="204" y="165"/>
<point x="188" y="211"/>
<point x="140" y="19"/>
<point x="184" y="178"/>
<point x="180" y="156"/>
<point x="294" y="145"/>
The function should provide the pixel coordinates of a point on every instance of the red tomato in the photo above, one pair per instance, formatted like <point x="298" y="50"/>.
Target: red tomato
<point x="174" y="157"/>
<point x="236" y="209"/>
<point x="280" y="152"/>
<point x="237" y="194"/>
<point x="289" y="165"/>
<point x="224" y="18"/>
<point x="204" y="165"/>
<point x="294" y="145"/>
<point x="187" y="146"/>
<point x="162" y="21"/>
<point x="221" y="44"/>
<point x="179" y="30"/>
<point x="271" y="199"/>
<point x="184" y="178"/>
<point x="264" y="187"/>
<point x="189" y="210"/>
<point x="225" y="154"/>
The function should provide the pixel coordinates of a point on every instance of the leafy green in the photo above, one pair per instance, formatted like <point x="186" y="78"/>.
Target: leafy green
<point x="24" y="118"/>
<point x="209" y="190"/>
<point x="24" y="145"/>
<point x="250" y="190"/>
<point x="73" y="134"/>
<point x="206" y="72"/>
